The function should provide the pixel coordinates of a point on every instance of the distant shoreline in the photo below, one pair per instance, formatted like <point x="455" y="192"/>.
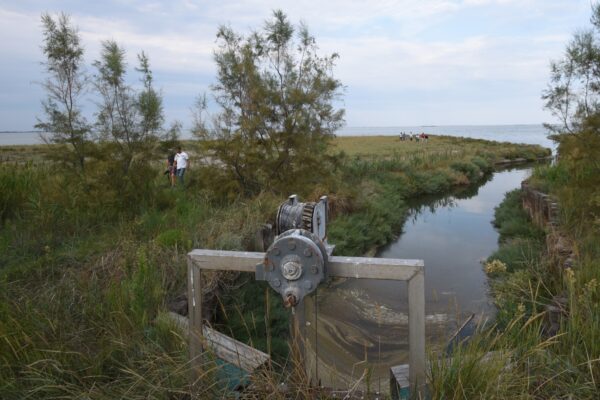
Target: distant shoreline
<point x="517" y="133"/>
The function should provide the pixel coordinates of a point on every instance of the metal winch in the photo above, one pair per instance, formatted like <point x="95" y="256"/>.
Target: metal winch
<point x="296" y="263"/>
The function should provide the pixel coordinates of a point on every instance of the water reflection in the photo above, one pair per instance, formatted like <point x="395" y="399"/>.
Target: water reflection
<point x="362" y="320"/>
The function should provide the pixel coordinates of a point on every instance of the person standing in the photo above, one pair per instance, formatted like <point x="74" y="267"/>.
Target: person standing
<point x="181" y="163"/>
<point x="171" y="168"/>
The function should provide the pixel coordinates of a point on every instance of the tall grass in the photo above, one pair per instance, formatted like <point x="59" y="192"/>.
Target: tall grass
<point x="80" y="288"/>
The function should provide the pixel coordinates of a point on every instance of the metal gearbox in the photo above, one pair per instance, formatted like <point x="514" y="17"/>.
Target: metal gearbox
<point x="310" y="216"/>
<point x="296" y="263"/>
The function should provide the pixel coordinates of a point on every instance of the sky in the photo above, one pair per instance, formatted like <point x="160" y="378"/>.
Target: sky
<point x="402" y="63"/>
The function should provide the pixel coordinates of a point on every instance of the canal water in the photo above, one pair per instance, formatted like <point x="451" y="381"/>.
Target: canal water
<point x="363" y="323"/>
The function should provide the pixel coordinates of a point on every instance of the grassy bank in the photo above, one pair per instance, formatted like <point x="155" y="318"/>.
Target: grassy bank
<point x="88" y="263"/>
<point x="437" y="148"/>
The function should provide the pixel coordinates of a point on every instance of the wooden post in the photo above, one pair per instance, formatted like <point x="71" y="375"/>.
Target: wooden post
<point x="298" y="346"/>
<point x="416" y="331"/>
<point x="310" y="343"/>
<point x="195" y="317"/>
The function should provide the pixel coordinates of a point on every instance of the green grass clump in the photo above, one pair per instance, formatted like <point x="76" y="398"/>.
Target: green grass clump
<point x="172" y="238"/>
<point x="512" y="221"/>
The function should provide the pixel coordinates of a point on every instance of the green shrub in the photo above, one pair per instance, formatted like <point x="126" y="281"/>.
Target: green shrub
<point x="512" y="221"/>
<point x="471" y="170"/>
<point x="483" y="164"/>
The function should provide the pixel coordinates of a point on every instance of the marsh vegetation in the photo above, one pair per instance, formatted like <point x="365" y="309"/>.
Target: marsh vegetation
<point x="88" y="263"/>
<point x="93" y="238"/>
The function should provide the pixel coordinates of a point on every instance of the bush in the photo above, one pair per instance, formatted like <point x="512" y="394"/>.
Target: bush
<point x="471" y="170"/>
<point x="512" y="221"/>
<point x="484" y="165"/>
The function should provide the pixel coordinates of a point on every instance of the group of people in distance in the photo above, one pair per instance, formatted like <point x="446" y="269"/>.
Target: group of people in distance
<point x="410" y="136"/>
<point x="176" y="165"/>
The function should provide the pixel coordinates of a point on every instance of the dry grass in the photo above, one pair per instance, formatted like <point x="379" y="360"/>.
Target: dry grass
<point x="454" y="147"/>
<point x="23" y="153"/>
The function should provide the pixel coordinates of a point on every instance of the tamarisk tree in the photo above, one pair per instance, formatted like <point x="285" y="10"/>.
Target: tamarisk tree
<point x="573" y="94"/>
<point x="276" y="97"/>
<point x="132" y="120"/>
<point x="65" y="87"/>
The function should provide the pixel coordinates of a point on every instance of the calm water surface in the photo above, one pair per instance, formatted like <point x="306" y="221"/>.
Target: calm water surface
<point x="364" y="322"/>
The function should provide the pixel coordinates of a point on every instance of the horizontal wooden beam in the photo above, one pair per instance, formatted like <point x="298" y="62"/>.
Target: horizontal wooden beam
<point x="373" y="268"/>
<point x="223" y="260"/>
<point x="224" y="347"/>
<point x="343" y="267"/>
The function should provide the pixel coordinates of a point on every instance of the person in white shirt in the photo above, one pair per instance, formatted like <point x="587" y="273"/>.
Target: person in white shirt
<point x="181" y="163"/>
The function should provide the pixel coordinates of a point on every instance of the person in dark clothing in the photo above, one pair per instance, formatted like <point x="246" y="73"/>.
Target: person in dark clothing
<point x="171" y="168"/>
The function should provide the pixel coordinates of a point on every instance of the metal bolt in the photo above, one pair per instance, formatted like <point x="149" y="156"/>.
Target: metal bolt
<point x="276" y="282"/>
<point x="290" y="301"/>
<point x="314" y="269"/>
<point x="291" y="244"/>
<point x="307" y="252"/>
<point x="291" y="270"/>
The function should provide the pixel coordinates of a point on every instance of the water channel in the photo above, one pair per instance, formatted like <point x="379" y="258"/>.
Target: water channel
<point x="363" y="323"/>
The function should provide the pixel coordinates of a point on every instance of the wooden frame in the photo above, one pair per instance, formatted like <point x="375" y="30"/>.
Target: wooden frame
<point x="411" y="271"/>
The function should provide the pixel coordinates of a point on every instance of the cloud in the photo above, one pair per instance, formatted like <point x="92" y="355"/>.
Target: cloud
<point x="391" y="63"/>
<point x="20" y="37"/>
<point x="175" y="52"/>
<point x="440" y="51"/>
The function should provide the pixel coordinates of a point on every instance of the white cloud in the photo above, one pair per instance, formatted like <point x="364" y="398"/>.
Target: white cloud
<point x="20" y="33"/>
<point x="395" y="63"/>
<point x="386" y="46"/>
<point x="175" y="52"/>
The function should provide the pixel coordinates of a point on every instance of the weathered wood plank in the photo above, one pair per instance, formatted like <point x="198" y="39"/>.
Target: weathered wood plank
<point x="225" y="347"/>
<point x="373" y="268"/>
<point x="244" y="261"/>
<point x="195" y="313"/>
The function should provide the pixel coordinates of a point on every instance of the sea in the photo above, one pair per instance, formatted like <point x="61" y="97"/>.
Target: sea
<point x="530" y="134"/>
